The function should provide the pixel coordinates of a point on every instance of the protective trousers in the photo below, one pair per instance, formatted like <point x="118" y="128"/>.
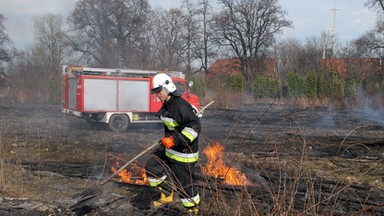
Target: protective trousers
<point x="161" y="171"/>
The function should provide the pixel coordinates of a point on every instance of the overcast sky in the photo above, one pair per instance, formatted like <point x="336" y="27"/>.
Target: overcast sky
<point x="310" y="17"/>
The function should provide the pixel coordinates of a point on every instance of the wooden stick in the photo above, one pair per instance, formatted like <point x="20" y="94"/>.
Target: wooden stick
<point x="205" y="107"/>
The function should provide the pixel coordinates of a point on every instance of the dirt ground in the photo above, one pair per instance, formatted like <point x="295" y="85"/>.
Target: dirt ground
<point x="297" y="160"/>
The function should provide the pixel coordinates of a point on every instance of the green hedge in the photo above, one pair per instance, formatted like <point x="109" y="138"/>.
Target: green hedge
<point x="235" y="82"/>
<point x="311" y="85"/>
<point x="295" y="84"/>
<point x="266" y="87"/>
<point x="351" y="87"/>
<point x="336" y="86"/>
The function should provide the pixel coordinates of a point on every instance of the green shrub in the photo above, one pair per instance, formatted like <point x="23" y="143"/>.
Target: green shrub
<point x="274" y="86"/>
<point x="311" y="85"/>
<point x="295" y="84"/>
<point x="336" y="87"/>
<point x="321" y="85"/>
<point x="266" y="87"/>
<point x="259" y="87"/>
<point x="234" y="82"/>
<point x="351" y="88"/>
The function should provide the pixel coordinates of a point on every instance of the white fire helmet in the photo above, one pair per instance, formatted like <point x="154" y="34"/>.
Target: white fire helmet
<point x="163" y="81"/>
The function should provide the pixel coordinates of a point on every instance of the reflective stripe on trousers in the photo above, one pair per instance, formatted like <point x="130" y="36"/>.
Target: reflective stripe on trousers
<point x="154" y="182"/>
<point x="191" y="202"/>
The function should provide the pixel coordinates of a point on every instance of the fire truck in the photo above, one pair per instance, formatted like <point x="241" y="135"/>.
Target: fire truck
<point x="116" y="97"/>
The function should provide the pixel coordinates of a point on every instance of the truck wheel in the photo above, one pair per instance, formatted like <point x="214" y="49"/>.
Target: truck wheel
<point x="118" y="122"/>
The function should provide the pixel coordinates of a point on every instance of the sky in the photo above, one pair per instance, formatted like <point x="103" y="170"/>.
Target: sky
<point x="310" y="17"/>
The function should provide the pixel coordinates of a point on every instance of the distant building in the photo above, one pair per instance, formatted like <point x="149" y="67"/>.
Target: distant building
<point x="223" y="67"/>
<point x="361" y="67"/>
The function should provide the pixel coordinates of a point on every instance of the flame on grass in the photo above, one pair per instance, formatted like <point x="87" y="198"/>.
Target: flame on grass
<point x="135" y="176"/>
<point x="217" y="168"/>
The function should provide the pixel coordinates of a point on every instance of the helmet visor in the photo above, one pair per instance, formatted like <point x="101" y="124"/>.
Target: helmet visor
<point x="157" y="89"/>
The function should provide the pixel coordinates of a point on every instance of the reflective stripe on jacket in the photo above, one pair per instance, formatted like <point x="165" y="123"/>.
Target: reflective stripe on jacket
<point x="183" y="125"/>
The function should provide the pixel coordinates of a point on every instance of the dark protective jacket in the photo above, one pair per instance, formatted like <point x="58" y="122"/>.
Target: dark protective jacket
<point x="183" y="125"/>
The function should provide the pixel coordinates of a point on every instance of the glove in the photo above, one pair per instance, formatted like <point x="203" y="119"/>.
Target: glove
<point x="168" y="142"/>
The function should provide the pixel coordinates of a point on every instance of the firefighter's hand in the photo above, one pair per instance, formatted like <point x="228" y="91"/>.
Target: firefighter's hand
<point x="168" y="142"/>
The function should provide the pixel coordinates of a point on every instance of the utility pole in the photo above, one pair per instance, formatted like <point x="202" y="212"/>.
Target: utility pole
<point x="334" y="9"/>
<point x="325" y="49"/>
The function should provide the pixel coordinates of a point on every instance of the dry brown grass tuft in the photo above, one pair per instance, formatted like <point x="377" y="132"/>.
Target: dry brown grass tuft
<point x="23" y="181"/>
<point x="227" y="100"/>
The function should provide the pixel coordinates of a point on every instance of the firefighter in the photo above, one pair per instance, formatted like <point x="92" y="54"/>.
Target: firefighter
<point x="175" y="160"/>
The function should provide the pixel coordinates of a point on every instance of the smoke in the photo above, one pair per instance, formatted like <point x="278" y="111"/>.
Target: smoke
<point x="374" y="115"/>
<point x="372" y="107"/>
<point x="323" y="118"/>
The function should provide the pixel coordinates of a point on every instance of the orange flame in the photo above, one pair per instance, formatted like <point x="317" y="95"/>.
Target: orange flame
<point x="137" y="175"/>
<point x="216" y="167"/>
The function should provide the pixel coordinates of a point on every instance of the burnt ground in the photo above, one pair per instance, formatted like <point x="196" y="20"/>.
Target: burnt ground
<point x="298" y="161"/>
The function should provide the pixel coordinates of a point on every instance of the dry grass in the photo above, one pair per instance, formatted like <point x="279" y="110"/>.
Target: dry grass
<point x="17" y="180"/>
<point x="227" y="100"/>
<point x="14" y="180"/>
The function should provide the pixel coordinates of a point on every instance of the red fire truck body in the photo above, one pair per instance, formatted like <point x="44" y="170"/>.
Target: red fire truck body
<point x="116" y="97"/>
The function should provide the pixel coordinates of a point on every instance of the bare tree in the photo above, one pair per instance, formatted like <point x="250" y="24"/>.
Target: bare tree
<point x="183" y="33"/>
<point x="168" y="39"/>
<point x="203" y="44"/>
<point x="50" y="36"/>
<point x="372" y="42"/>
<point x="366" y="46"/>
<point x="110" y="33"/>
<point x="6" y="51"/>
<point x="376" y="4"/>
<point x="191" y="32"/>
<point x="249" y="28"/>
<point x="36" y="73"/>
<point x="287" y="53"/>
